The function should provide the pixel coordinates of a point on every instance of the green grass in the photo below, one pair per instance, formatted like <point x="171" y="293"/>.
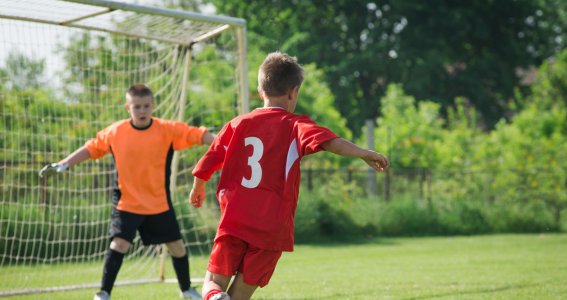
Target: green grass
<point x="477" y="267"/>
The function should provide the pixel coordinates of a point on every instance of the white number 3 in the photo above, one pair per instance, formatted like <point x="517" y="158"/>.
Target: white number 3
<point x="253" y="162"/>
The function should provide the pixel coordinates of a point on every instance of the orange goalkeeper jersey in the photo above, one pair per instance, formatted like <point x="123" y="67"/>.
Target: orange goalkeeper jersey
<point x="143" y="160"/>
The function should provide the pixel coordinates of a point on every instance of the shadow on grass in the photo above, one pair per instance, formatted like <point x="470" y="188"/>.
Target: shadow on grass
<point x="472" y="291"/>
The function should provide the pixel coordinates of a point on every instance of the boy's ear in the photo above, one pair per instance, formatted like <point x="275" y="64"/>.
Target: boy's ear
<point x="294" y="90"/>
<point x="260" y="94"/>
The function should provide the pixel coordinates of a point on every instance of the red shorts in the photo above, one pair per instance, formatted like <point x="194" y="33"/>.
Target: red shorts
<point x="231" y="254"/>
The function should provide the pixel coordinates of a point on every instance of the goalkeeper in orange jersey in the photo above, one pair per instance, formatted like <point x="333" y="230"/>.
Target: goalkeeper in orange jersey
<point x="142" y="147"/>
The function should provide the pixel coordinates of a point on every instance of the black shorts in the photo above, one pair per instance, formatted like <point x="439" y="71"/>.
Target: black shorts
<point x="154" y="229"/>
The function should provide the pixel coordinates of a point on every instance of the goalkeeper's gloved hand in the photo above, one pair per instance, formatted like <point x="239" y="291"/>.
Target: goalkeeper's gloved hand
<point x="50" y="169"/>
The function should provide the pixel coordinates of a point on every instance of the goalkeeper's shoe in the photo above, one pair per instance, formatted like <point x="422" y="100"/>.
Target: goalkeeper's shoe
<point x="102" y="295"/>
<point x="50" y="169"/>
<point x="191" y="294"/>
<point x="220" y="296"/>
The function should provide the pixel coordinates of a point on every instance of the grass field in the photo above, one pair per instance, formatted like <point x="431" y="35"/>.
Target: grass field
<point x="477" y="267"/>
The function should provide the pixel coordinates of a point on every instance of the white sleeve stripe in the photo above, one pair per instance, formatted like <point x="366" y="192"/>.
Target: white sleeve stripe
<point x="292" y="156"/>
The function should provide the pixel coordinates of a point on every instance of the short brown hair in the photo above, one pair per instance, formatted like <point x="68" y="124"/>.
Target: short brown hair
<point x="279" y="73"/>
<point x="140" y="90"/>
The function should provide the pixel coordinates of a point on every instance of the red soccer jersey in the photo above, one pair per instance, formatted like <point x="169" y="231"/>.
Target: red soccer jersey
<point x="259" y="153"/>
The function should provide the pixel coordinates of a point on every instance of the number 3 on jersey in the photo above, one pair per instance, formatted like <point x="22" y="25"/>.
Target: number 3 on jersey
<point x="254" y="162"/>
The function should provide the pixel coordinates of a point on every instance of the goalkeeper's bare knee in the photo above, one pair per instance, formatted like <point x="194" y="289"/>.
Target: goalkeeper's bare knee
<point x="120" y="245"/>
<point x="176" y="248"/>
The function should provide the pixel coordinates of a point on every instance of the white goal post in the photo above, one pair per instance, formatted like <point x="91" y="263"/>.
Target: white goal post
<point x="65" y="66"/>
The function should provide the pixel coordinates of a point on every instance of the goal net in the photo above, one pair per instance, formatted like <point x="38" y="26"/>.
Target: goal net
<point x="64" y="69"/>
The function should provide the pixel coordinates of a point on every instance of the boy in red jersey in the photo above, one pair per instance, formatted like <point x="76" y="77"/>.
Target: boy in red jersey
<point x="142" y="148"/>
<point x="259" y="153"/>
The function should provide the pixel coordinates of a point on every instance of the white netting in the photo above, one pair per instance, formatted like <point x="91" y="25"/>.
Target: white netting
<point x="58" y="87"/>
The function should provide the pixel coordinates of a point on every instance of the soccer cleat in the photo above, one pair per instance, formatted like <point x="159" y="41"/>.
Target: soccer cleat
<point x="191" y="294"/>
<point x="220" y="296"/>
<point x="102" y="295"/>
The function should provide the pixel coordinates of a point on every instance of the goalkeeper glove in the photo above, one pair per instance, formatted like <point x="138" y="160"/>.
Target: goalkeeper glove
<point x="52" y="169"/>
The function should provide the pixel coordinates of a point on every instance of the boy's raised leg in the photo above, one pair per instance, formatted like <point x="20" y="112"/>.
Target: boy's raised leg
<point x="214" y="285"/>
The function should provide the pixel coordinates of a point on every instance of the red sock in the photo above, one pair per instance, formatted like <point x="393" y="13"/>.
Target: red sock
<point x="211" y="293"/>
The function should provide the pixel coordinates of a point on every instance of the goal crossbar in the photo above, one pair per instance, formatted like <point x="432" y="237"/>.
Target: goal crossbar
<point x="182" y="27"/>
<point x="87" y="14"/>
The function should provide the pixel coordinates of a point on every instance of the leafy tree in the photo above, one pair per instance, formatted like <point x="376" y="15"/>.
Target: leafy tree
<point x="96" y="64"/>
<point x="438" y="50"/>
<point x="551" y="84"/>
<point x="22" y="72"/>
<point x="407" y="130"/>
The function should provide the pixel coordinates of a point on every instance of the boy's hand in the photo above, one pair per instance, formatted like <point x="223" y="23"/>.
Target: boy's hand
<point x="197" y="196"/>
<point x="376" y="160"/>
<point x="198" y="193"/>
<point x="50" y="169"/>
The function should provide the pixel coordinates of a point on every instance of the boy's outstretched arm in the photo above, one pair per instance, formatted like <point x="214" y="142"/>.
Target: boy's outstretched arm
<point x="74" y="158"/>
<point x="343" y="147"/>
<point x="198" y="192"/>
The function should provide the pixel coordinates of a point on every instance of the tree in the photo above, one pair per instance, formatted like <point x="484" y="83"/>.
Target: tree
<point x="438" y="50"/>
<point x="23" y="72"/>
<point x="408" y="131"/>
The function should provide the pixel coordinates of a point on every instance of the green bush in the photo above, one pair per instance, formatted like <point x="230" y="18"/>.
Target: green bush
<point x="407" y="216"/>
<point x="336" y="210"/>
<point x="515" y="217"/>
<point x="339" y="210"/>
<point x="463" y="217"/>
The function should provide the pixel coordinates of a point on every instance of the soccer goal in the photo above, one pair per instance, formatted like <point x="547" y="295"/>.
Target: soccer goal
<point x="64" y="69"/>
